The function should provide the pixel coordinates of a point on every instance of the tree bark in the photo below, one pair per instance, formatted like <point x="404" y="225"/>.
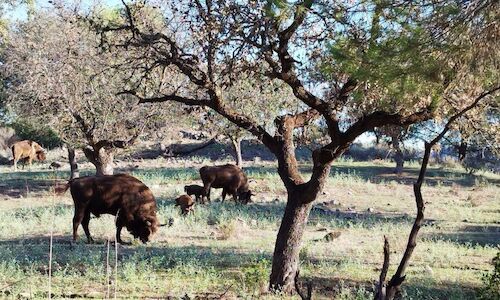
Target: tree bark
<point x="237" y="151"/>
<point x="101" y="158"/>
<point x="75" y="173"/>
<point x="288" y="242"/>
<point x="398" y="156"/>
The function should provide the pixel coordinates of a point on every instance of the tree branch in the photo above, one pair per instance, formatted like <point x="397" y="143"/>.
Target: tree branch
<point x="302" y="295"/>
<point x="399" y="277"/>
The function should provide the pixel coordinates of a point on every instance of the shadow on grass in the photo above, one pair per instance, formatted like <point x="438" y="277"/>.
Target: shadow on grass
<point x="17" y="184"/>
<point x="31" y="253"/>
<point x="413" y="289"/>
<point x="482" y="235"/>
<point x="272" y="212"/>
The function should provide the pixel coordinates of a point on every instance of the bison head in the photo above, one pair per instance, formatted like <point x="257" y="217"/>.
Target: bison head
<point x="245" y="196"/>
<point x="40" y="155"/>
<point x="144" y="228"/>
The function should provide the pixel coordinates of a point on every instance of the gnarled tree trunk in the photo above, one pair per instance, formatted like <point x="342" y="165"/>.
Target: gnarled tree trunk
<point x="299" y="202"/>
<point x="288" y="243"/>
<point x="101" y="158"/>
<point x="75" y="173"/>
<point x="398" y="156"/>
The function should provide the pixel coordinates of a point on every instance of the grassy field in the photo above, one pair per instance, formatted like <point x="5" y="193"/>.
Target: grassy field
<point x="225" y="250"/>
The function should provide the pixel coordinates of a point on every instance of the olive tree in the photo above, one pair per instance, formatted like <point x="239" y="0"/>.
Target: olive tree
<point x="59" y="76"/>
<point x="341" y="48"/>
<point x="268" y="98"/>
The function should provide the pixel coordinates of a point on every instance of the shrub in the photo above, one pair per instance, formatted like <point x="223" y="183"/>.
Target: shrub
<point x="491" y="282"/>
<point x="256" y="275"/>
<point x="40" y="134"/>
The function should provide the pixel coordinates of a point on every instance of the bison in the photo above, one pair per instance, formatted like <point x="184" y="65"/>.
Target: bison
<point x="229" y="178"/>
<point x="121" y="195"/>
<point x="27" y="149"/>
<point x="186" y="204"/>
<point x="196" y="190"/>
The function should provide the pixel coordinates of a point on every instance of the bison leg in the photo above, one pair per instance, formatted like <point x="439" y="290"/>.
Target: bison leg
<point x="118" y="232"/>
<point x="15" y="164"/>
<point x="85" y="225"/>
<point x="120" y="223"/>
<point x="224" y="192"/>
<point x="77" y="219"/>
<point x="206" y="193"/>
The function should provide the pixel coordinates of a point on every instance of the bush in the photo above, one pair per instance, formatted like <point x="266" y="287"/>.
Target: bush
<point x="491" y="282"/>
<point x="256" y="275"/>
<point x="43" y="135"/>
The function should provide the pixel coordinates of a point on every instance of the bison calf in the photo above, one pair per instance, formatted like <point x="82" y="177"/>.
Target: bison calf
<point x="123" y="196"/>
<point x="28" y="150"/>
<point x="186" y="204"/>
<point x="196" y="190"/>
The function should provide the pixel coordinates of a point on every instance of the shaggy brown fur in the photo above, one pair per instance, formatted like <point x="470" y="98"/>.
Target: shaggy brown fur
<point x="186" y="203"/>
<point x="230" y="179"/>
<point x="27" y="149"/>
<point x="122" y="195"/>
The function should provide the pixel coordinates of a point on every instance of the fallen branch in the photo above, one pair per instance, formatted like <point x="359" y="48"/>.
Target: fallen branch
<point x="185" y="150"/>
<point x="381" y="294"/>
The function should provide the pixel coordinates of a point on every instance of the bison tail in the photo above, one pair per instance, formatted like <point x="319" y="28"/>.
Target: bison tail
<point x="59" y="190"/>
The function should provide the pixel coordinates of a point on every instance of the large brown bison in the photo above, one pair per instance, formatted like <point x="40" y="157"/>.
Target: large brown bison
<point x="122" y="195"/>
<point x="229" y="178"/>
<point x="27" y="149"/>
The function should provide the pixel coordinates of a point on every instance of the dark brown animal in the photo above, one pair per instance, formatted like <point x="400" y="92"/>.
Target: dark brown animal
<point x="229" y="178"/>
<point x="27" y="149"/>
<point x="122" y="195"/>
<point x="186" y="204"/>
<point x="196" y="190"/>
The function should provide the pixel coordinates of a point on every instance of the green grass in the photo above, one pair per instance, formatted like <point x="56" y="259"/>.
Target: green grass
<point x="233" y="255"/>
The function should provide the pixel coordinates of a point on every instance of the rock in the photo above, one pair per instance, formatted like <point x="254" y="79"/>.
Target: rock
<point x="370" y="209"/>
<point x="322" y="229"/>
<point x="212" y="220"/>
<point x="428" y="270"/>
<point x="171" y="222"/>
<point x="55" y="165"/>
<point x="253" y="222"/>
<point x="331" y="236"/>
<point x="276" y="200"/>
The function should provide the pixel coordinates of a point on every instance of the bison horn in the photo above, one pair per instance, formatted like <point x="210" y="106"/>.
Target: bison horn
<point x="148" y="223"/>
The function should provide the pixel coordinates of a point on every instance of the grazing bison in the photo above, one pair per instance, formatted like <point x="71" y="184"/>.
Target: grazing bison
<point x="122" y="195"/>
<point x="27" y="149"/>
<point x="229" y="178"/>
<point x="196" y="190"/>
<point x="186" y="204"/>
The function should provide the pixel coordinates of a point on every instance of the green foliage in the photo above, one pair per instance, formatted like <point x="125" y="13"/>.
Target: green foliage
<point x="257" y="274"/>
<point x="491" y="282"/>
<point x="43" y="135"/>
